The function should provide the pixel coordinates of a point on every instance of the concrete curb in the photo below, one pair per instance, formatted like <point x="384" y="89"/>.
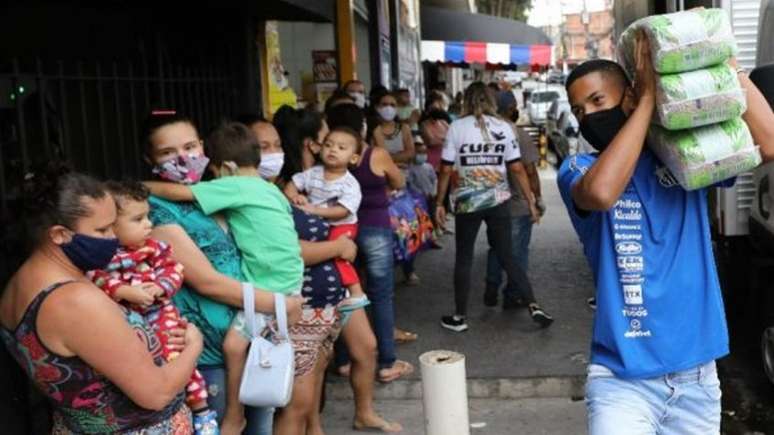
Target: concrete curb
<point x="478" y="388"/>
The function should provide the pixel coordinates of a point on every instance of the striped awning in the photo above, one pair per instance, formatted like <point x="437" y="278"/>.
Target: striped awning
<point x="485" y="52"/>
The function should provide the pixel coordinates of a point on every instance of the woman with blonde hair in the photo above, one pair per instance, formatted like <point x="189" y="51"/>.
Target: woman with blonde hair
<point x="484" y="151"/>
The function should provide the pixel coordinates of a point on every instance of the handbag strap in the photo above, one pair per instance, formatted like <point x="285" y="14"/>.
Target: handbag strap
<point x="248" y="298"/>
<point x="282" y="316"/>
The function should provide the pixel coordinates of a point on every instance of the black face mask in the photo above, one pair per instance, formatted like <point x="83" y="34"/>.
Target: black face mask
<point x="600" y="128"/>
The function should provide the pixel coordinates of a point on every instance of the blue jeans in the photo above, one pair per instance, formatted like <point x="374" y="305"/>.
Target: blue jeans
<point x="521" y="233"/>
<point x="259" y="420"/>
<point x="680" y="403"/>
<point x="375" y="252"/>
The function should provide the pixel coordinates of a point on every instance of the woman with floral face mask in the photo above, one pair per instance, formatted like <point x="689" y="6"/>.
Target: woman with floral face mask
<point x="212" y="290"/>
<point x="99" y="364"/>
<point x="391" y="134"/>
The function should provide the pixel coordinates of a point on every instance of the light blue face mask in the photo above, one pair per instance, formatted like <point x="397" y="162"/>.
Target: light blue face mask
<point x="420" y="159"/>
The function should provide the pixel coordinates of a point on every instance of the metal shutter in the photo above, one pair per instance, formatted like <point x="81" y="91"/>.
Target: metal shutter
<point x="733" y="205"/>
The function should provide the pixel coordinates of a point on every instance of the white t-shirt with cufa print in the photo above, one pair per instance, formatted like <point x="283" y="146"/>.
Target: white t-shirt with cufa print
<point x="344" y="191"/>
<point x="481" y="162"/>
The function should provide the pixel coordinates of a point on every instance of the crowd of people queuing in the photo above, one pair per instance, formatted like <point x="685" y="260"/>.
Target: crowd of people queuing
<point x="299" y="206"/>
<point x="127" y="313"/>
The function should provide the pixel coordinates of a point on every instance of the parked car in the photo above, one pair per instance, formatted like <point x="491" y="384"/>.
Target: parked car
<point x="557" y="77"/>
<point x="554" y="111"/>
<point x="539" y="102"/>
<point x="566" y="140"/>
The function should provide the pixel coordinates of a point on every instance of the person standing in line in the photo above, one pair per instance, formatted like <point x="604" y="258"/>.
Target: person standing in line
<point x="356" y="90"/>
<point x="521" y="228"/>
<point x="483" y="149"/>
<point x="390" y="133"/>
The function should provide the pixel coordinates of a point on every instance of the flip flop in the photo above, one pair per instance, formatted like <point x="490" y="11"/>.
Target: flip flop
<point x="402" y="336"/>
<point x="385" y="427"/>
<point x="404" y="369"/>
<point x="354" y="304"/>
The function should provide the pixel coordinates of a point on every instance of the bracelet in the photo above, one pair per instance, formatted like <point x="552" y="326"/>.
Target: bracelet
<point x="740" y="69"/>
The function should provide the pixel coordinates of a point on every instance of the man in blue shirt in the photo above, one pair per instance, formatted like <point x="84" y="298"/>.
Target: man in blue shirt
<point x="660" y="323"/>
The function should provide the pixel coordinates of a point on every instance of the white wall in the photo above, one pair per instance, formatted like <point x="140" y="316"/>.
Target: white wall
<point x="298" y="39"/>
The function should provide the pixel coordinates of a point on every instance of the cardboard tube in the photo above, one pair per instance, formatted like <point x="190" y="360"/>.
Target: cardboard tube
<point x="444" y="393"/>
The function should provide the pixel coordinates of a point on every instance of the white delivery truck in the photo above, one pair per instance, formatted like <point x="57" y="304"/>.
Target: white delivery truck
<point x="743" y="215"/>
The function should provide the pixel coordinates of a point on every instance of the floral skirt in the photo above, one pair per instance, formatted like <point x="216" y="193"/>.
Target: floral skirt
<point x="178" y="424"/>
<point x="313" y="336"/>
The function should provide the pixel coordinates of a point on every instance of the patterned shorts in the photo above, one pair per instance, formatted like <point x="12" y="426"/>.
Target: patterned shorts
<point x="179" y="424"/>
<point x="313" y="336"/>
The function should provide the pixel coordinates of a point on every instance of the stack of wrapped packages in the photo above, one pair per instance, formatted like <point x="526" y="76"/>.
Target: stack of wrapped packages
<point x="697" y="130"/>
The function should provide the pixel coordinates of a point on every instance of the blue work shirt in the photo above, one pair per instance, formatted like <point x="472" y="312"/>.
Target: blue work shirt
<point x="659" y="305"/>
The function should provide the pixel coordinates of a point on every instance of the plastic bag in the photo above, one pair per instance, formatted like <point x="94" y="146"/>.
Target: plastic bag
<point x="697" y="98"/>
<point x="411" y="224"/>
<point x="682" y="41"/>
<point x="703" y="156"/>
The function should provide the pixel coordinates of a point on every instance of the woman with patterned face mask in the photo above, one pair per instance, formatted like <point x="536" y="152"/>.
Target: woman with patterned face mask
<point x="212" y="292"/>
<point x="212" y="289"/>
<point x="391" y="134"/>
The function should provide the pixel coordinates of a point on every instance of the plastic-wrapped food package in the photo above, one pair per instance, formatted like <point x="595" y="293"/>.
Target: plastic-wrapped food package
<point x="682" y="41"/>
<point x="703" y="156"/>
<point x="697" y="98"/>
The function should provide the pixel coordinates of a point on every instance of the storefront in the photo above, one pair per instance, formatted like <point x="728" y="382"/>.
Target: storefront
<point x="307" y="59"/>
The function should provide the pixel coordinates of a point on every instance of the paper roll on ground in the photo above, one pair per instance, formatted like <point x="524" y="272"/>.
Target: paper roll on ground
<point x="444" y="393"/>
<point x="703" y="156"/>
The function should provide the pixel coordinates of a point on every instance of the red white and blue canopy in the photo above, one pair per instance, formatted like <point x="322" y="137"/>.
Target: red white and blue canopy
<point x="485" y="52"/>
<point x="460" y="37"/>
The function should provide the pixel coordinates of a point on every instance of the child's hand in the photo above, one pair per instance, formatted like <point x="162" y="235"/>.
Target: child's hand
<point x="176" y="336"/>
<point x="135" y="294"/>
<point x="153" y="289"/>
<point x="300" y="200"/>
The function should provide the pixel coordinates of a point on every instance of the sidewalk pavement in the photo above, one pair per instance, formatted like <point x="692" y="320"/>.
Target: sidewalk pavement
<point x="507" y="355"/>
<point x="487" y="416"/>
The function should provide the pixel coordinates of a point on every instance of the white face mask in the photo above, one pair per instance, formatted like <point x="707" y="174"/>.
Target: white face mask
<point x="387" y="113"/>
<point x="359" y="98"/>
<point x="271" y="165"/>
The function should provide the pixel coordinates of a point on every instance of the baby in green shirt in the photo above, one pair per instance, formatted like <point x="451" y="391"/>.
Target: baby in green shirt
<point x="260" y="218"/>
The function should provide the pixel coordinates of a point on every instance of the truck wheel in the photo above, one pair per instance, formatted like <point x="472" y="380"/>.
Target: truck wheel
<point x="767" y="352"/>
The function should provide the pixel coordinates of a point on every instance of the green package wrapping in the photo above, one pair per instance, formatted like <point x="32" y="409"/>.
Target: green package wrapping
<point x="703" y="156"/>
<point x="697" y="98"/>
<point x="681" y="41"/>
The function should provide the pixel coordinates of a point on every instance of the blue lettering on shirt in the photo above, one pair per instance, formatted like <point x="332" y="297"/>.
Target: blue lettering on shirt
<point x="659" y="305"/>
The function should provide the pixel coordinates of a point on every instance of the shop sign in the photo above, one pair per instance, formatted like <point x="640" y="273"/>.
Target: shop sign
<point x="324" y="66"/>
<point x="280" y="92"/>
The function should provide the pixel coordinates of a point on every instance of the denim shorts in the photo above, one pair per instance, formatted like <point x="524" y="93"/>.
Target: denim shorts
<point x="680" y="403"/>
